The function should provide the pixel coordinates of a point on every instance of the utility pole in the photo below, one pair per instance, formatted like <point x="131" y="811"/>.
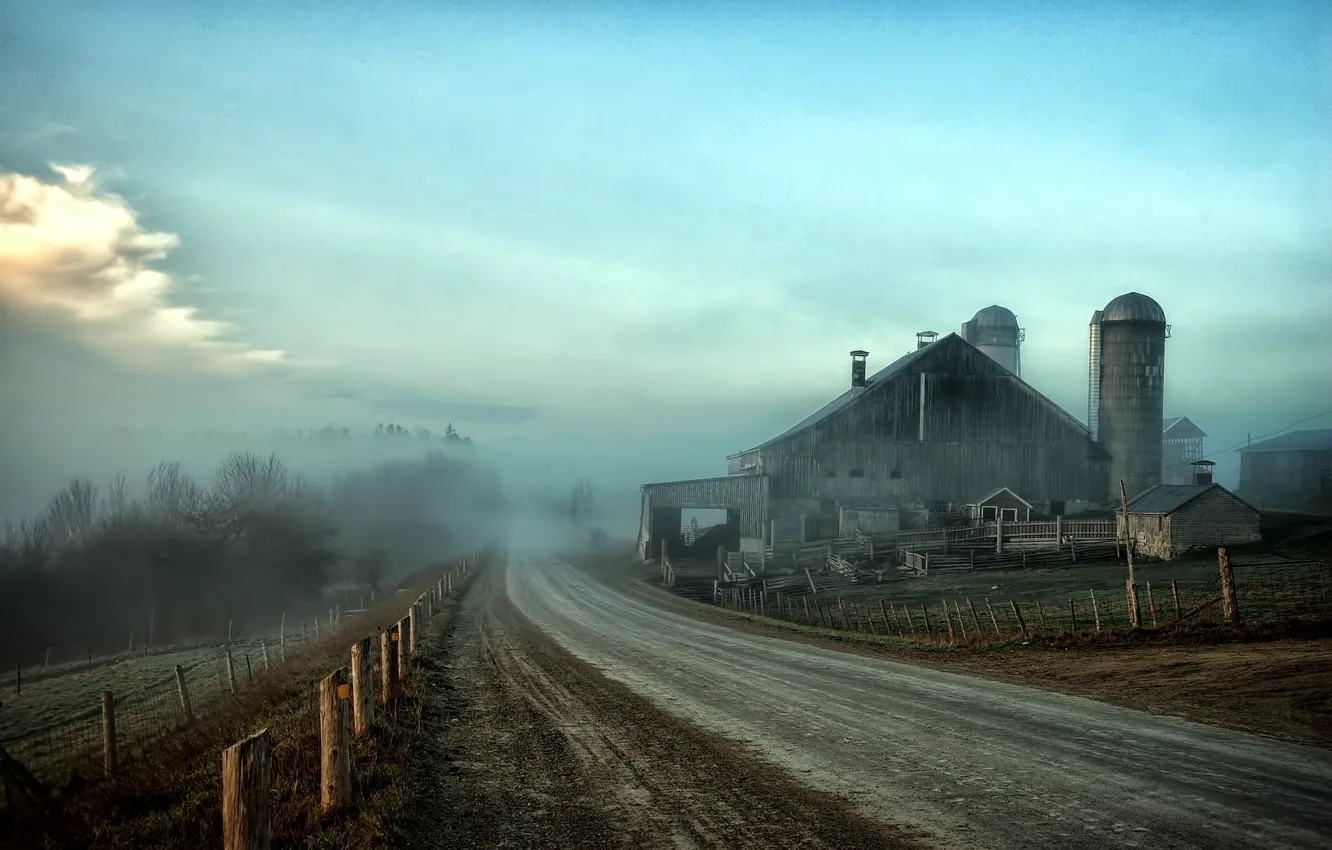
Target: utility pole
<point x="1131" y="586"/>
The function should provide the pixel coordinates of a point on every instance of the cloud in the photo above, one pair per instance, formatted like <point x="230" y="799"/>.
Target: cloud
<point x="69" y="248"/>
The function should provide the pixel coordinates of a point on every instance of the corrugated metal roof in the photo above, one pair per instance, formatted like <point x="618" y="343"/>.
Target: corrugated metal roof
<point x="1295" y="441"/>
<point x="1168" y="498"/>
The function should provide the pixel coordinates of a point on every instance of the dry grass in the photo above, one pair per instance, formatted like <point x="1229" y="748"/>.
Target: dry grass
<point x="172" y="798"/>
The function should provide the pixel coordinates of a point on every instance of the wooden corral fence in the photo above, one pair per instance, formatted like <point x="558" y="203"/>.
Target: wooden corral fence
<point x="999" y="534"/>
<point x="1269" y="590"/>
<point x="123" y="727"/>
<point x="347" y="699"/>
<point x="963" y="557"/>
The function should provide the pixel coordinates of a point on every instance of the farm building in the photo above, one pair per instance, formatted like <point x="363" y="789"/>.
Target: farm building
<point x="931" y="430"/>
<point x="1170" y="519"/>
<point x="1181" y="446"/>
<point x="1001" y="504"/>
<point x="1292" y="471"/>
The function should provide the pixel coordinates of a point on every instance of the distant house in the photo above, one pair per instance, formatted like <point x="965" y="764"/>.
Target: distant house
<point x="1169" y="519"/>
<point x="1181" y="445"/>
<point x="1293" y="470"/>
<point x="1001" y="504"/>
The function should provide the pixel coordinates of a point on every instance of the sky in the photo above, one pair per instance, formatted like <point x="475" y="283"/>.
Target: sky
<point x="628" y="241"/>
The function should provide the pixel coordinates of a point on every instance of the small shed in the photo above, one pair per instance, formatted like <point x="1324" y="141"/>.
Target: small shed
<point x="1001" y="504"/>
<point x="1169" y="519"/>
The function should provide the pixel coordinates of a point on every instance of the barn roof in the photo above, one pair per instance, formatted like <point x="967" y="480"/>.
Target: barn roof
<point x="851" y="394"/>
<point x="899" y="365"/>
<point x="1296" y="441"/>
<point x="1180" y="427"/>
<point x="1167" y="498"/>
<point x="1007" y="490"/>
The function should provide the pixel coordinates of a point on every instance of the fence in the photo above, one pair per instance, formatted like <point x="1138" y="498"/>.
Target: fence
<point x="1236" y="593"/>
<point x="347" y="700"/>
<point x="77" y="743"/>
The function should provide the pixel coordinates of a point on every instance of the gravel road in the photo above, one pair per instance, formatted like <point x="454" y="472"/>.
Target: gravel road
<point x="975" y="763"/>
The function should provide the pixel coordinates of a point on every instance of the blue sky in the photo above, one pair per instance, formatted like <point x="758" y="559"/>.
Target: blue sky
<point x="651" y="235"/>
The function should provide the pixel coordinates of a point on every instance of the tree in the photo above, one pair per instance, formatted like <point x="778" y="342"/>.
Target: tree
<point x="582" y="497"/>
<point x="370" y="570"/>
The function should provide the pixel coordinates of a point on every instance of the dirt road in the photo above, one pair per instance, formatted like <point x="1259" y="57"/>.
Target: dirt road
<point x="978" y="763"/>
<point x="530" y="747"/>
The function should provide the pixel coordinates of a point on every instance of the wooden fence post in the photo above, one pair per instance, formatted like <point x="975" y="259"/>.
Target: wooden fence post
<point x="231" y="672"/>
<point x="1017" y="615"/>
<point x="948" y="618"/>
<point x="335" y="758"/>
<point x="975" y="620"/>
<point x="926" y="614"/>
<point x="109" y="733"/>
<point x="263" y="645"/>
<point x="1096" y="610"/>
<point x="1151" y="604"/>
<point x="994" y="621"/>
<point x="1229" y="602"/>
<point x="1072" y="617"/>
<point x="388" y="664"/>
<point x="413" y="615"/>
<point x="404" y="647"/>
<point x="961" y="626"/>
<point x="185" y="708"/>
<point x="247" y="793"/>
<point x="362" y="680"/>
<point x="1174" y="593"/>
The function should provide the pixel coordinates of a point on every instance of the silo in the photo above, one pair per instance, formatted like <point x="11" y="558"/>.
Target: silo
<point x="1130" y="398"/>
<point x="995" y="332"/>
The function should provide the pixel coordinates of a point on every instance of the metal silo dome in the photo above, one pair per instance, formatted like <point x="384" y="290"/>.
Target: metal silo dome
<point x="995" y="332"/>
<point x="1133" y="307"/>
<point x="995" y="316"/>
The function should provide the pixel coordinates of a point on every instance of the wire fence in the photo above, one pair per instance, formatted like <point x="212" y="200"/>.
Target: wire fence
<point x="73" y="744"/>
<point x="1267" y="591"/>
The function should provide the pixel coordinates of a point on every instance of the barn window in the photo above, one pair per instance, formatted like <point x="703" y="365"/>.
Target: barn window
<point x="856" y="473"/>
<point x="1008" y="514"/>
<point x="989" y="512"/>
<point x="895" y="474"/>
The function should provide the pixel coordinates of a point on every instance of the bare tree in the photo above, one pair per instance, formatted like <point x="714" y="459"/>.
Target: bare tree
<point x="582" y="498"/>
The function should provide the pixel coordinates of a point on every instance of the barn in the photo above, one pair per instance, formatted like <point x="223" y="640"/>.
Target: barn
<point x="931" y="430"/>
<point x="1170" y="519"/>
<point x="1291" y="471"/>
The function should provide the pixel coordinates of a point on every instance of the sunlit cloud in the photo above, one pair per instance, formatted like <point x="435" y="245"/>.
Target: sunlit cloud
<point x="70" y="248"/>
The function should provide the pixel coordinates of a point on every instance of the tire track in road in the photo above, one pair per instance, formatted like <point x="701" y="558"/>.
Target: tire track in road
<point x="980" y="762"/>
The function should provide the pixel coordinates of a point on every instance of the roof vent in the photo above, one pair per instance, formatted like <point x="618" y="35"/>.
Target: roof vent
<point x="924" y="338"/>
<point x="858" y="367"/>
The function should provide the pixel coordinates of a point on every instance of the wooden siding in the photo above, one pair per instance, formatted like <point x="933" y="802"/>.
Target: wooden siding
<point x="1215" y="518"/>
<point x="747" y="494"/>
<point x="983" y="429"/>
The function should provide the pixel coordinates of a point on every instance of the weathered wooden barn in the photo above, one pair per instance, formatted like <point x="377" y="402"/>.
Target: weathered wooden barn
<point x="933" y="429"/>
<point x="1292" y="471"/>
<point x="1170" y="519"/>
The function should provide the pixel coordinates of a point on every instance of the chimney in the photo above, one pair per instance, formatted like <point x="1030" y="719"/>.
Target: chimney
<point x="858" y="367"/>
<point x="1202" y="471"/>
<point x="924" y="338"/>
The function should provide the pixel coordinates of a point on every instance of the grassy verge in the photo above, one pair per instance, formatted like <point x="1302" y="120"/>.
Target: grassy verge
<point x="172" y="798"/>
